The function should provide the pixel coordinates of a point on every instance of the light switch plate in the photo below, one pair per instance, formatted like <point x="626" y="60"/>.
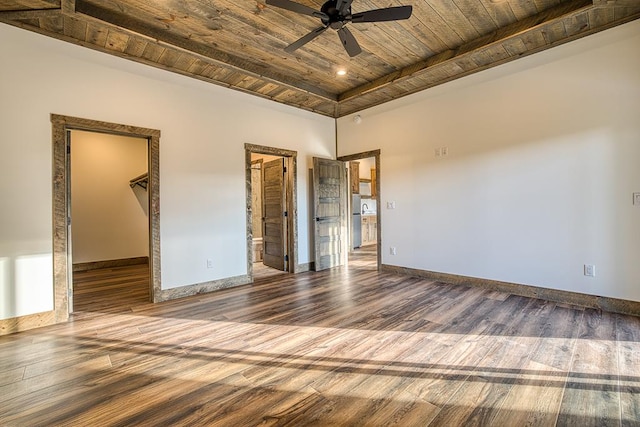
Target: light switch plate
<point x="590" y="270"/>
<point x="636" y="199"/>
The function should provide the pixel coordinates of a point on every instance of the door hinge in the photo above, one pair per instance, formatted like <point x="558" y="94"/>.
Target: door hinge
<point x="286" y="258"/>
<point x="68" y="149"/>
<point x="286" y="213"/>
<point x="284" y="169"/>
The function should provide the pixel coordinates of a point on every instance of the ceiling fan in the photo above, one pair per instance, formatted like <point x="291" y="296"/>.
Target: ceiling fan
<point x="337" y="14"/>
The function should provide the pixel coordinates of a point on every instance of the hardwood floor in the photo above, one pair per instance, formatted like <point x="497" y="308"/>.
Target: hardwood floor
<point x="346" y="347"/>
<point x="364" y="258"/>
<point x="262" y="272"/>
<point x="111" y="289"/>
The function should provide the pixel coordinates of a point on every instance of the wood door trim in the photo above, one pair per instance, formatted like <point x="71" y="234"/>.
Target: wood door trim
<point x="376" y="155"/>
<point x="359" y="156"/>
<point x="62" y="210"/>
<point x="291" y="162"/>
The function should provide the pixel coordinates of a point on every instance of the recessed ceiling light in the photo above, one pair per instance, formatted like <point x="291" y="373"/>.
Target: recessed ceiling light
<point x="341" y="72"/>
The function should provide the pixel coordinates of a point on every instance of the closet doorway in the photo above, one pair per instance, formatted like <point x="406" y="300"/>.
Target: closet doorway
<point x="62" y="128"/>
<point x="110" y="226"/>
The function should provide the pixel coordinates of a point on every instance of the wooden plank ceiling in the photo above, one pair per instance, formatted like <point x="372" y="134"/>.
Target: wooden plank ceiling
<point x="239" y="44"/>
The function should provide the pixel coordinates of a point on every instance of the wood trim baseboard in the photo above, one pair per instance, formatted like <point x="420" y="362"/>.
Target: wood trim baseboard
<point x="24" y="323"/>
<point x="202" y="288"/>
<point x="609" y="304"/>
<point x="303" y="268"/>
<point x="110" y="263"/>
<point x="38" y="320"/>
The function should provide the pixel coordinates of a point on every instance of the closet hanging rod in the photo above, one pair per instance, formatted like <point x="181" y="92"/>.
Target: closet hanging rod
<point x="142" y="181"/>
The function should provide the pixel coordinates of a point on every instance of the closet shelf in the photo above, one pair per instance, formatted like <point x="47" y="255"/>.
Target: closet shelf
<point x="142" y="181"/>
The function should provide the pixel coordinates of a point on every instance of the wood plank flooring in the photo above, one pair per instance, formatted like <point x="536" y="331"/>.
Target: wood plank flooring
<point x="345" y="347"/>
<point x="111" y="289"/>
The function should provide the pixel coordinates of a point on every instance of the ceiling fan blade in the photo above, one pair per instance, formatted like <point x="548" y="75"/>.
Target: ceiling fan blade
<point x="298" y="8"/>
<point x="305" y="39"/>
<point x="343" y="6"/>
<point x="349" y="42"/>
<point x="386" y="14"/>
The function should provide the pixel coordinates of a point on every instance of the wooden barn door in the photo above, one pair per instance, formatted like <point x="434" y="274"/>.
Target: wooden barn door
<point x="330" y="201"/>
<point x="274" y="221"/>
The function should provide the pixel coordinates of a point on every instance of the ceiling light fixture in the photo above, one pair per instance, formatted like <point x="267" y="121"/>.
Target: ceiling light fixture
<point x="341" y="72"/>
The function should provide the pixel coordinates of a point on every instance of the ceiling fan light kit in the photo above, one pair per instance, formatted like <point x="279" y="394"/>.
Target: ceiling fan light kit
<point x="336" y="14"/>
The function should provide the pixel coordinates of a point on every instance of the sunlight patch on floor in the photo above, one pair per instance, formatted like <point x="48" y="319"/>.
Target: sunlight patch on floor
<point x="289" y="357"/>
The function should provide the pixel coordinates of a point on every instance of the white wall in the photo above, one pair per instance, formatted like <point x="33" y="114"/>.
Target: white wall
<point x="202" y="176"/>
<point x="544" y="156"/>
<point x="110" y="219"/>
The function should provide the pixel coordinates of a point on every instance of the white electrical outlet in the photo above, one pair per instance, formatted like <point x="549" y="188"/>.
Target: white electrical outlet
<point x="393" y="251"/>
<point x="441" y="151"/>
<point x="636" y="199"/>
<point x="209" y="263"/>
<point x="590" y="270"/>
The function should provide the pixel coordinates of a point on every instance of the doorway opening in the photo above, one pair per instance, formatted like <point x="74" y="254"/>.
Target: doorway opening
<point x="62" y="127"/>
<point x="364" y="208"/>
<point x="110" y="226"/>
<point x="271" y="213"/>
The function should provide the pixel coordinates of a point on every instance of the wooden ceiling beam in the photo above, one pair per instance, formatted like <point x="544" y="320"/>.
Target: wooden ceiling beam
<point x="68" y="6"/>
<point x="498" y="36"/>
<point x="615" y="3"/>
<point x="12" y="15"/>
<point x="225" y="60"/>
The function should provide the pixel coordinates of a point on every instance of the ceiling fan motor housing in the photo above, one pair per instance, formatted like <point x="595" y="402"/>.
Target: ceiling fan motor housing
<point x="335" y="19"/>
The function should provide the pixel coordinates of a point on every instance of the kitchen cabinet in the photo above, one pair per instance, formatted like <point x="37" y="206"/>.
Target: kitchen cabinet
<point x="355" y="177"/>
<point x="369" y="229"/>
<point x="365" y="188"/>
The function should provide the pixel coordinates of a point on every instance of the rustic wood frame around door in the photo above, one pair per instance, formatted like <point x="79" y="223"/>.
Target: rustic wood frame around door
<point x="376" y="155"/>
<point x="291" y="163"/>
<point x="62" y="277"/>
